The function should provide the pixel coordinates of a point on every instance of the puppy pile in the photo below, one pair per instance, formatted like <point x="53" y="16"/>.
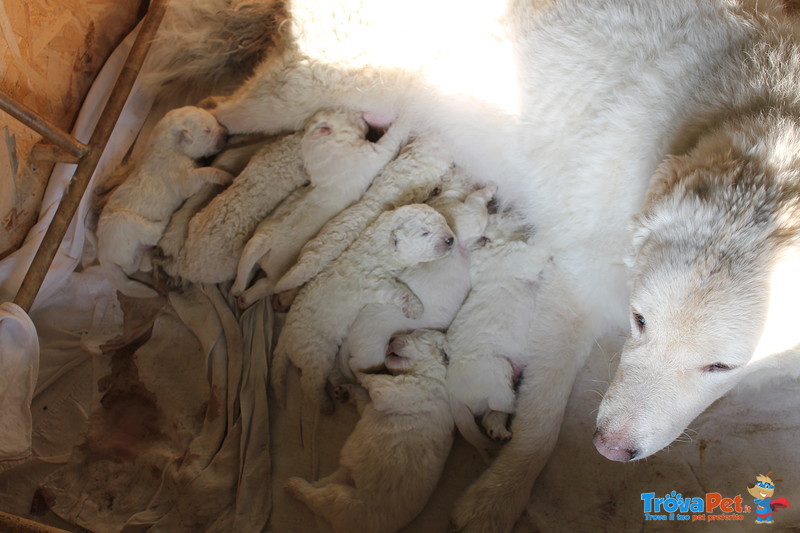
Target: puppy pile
<point x="377" y="248"/>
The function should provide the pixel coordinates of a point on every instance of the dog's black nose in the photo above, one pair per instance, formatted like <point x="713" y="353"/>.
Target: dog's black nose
<point x="450" y="241"/>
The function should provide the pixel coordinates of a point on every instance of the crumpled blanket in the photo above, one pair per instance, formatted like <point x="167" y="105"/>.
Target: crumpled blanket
<point x="154" y="414"/>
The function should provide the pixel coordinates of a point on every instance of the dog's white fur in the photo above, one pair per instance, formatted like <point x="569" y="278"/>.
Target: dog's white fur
<point x="218" y="233"/>
<point x="716" y="260"/>
<point x="570" y="106"/>
<point x="341" y="163"/>
<point x="137" y="212"/>
<point x="441" y="285"/>
<point x="408" y="179"/>
<point x="366" y="273"/>
<point x="391" y="463"/>
<point x="489" y="342"/>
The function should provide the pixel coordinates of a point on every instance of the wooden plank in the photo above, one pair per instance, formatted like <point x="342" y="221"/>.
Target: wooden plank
<point x="50" y="51"/>
<point x="83" y="173"/>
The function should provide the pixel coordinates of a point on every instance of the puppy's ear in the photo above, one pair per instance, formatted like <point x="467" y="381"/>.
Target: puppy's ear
<point x="185" y="137"/>
<point x="322" y="129"/>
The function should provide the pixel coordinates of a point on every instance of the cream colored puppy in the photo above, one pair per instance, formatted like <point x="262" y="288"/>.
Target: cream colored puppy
<point x="441" y="285"/>
<point x="366" y="273"/>
<point x="137" y="212"/>
<point x="391" y="463"/>
<point x="341" y="164"/>
<point x="489" y="341"/>
<point x="218" y="233"/>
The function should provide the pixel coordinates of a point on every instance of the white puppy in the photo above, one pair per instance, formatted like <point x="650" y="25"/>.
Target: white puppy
<point x="489" y="340"/>
<point x="366" y="273"/>
<point x="441" y="285"/>
<point x="341" y="163"/>
<point x="408" y="179"/>
<point x="218" y="233"/>
<point x="137" y="212"/>
<point x="391" y="463"/>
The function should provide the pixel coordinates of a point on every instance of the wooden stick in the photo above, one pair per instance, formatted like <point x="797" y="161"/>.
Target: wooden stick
<point x="15" y="524"/>
<point x="50" y="153"/>
<point x="44" y="127"/>
<point x="83" y="173"/>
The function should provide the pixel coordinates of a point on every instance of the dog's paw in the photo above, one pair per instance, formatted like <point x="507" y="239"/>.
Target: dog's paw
<point x="412" y="306"/>
<point x="342" y="393"/>
<point x="494" y="422"/>
<point x="210" y="102"/>
<point x="281" y="303"/>
<point x="243" y="302"/>
<point x="484" y="509"/>
<point x="294" y="485"/>
<point x="221" y="177"/>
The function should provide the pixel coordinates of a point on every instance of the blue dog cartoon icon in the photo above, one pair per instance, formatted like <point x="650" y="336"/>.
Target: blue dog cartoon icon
<point x="762" y="491"/>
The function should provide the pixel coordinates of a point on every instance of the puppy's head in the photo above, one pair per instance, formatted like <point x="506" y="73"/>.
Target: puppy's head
<point x="418" y="352"/>
<point x="332" y="126"/>
<point x="466" y="214"/>
<point x="419" y="234"/>
<point x="192" y="131"/>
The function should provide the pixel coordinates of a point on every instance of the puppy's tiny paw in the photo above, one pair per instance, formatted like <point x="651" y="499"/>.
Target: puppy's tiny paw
<point x="412" y="306"/>
<point x="293" y="484"/>
<point x="242" y="302"/>
<point x="210" y="102"/>
<point x="222" y="178"/>
<point x="341" y="393"/>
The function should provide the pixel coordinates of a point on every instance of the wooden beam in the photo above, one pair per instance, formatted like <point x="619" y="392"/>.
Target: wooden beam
<point x="86" y="167"/>
<point x="51" y="153"/>
<point x="15" y="524"/>
<point x="42" y="126"/>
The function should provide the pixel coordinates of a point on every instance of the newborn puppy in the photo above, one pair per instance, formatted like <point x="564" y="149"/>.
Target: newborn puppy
<point x="365" y="273"/>
<point x="390" y="465"/>
<point x="441" y="285"/>
<point x="489" y="340"/>
<point x="137" y="212"/>
<point x="341" y="163"/>
<point x="217" y="234"/>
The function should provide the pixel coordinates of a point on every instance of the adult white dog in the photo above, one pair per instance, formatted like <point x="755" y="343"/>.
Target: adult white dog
<point x="571" y="107"/>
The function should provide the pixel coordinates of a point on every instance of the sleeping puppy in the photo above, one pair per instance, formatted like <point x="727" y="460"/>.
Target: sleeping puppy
<point x="390" y="465"/>
<point x="365" y="273"/>
<point x="441" y="285"/>
<point x="138" y="211"/>
<point x="341" y="163"/>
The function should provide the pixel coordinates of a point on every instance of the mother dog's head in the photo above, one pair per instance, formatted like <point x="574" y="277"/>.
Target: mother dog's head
<point x="715" y="294"/>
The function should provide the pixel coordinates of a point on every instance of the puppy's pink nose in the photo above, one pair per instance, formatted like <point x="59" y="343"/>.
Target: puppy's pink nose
<point x="613" y="447"/>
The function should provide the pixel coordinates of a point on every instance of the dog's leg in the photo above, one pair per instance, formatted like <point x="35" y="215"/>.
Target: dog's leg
<point x="254" y="252"/>
<point x="278" y="97"/>
<point x="192" y="182"/>
<point x="400" y="295"/>
<point x="260" y="289"/>
<point x="171" y="242"/>
<point x="327" y="501"/>
<point x="497" y="499"/>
